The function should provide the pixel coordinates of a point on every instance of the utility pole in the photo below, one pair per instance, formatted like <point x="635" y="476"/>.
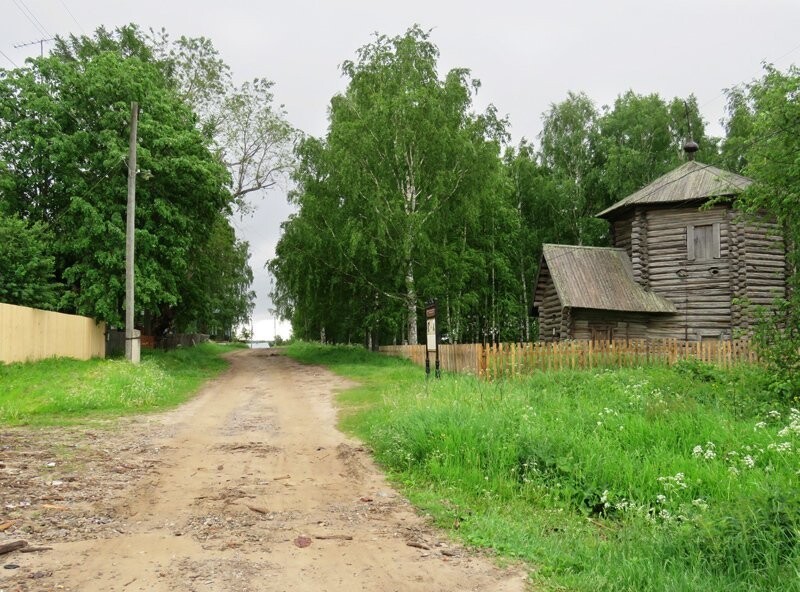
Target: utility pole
<point x="132" y="337"/>
<point x="41" y="43"/>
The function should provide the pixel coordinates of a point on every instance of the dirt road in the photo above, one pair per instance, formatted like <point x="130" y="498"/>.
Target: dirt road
<point x="249" y="487"/>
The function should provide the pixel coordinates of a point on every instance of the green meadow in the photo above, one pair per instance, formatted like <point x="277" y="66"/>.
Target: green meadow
<point x="64" y="391"/>
<point x="658" y="478"/>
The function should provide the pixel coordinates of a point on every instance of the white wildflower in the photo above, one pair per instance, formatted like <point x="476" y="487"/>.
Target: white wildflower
<point x="748" y="461"/>
<point x="673" y="482"/>
<point x="760" y="426"/>
<point x="700" y="503"/>
<point x="781" y="447"/>
<point x="697" y="451"/>
<point x="661" y="498"/>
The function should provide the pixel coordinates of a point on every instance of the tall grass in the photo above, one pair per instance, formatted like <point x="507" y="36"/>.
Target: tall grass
<point x="61" y="390"/>
<point x="636" y="479"/>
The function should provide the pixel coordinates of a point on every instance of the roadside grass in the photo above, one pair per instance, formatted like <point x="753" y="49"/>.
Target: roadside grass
<point x="657" y="478"/>
<point x="63" y="391"/>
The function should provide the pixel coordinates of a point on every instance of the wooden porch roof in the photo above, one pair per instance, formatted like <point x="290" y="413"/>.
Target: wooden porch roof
<point x="691" y="181"/>
<point x="599" y="278"/>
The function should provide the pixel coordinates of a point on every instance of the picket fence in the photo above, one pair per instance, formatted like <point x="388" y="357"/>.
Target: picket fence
<point x="508" y="360"/>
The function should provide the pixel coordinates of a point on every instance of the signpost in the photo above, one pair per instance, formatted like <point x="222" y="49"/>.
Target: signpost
<point x="432" y="341"/>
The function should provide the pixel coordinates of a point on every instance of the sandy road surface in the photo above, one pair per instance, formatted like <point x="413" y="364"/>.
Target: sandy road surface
<point x="248" y="487"/>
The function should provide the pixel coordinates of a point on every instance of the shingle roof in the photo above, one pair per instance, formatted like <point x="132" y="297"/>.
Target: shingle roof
<point x="599" y="278"/>
<point x="690" y="181"/>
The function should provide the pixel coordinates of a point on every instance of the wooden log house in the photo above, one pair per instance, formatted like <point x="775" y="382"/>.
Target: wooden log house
<point x="683" y="261"/>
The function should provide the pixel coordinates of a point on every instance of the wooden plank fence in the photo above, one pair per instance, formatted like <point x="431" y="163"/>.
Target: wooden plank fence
<point x="29" y="334"/>
<point x="508" y="360"/>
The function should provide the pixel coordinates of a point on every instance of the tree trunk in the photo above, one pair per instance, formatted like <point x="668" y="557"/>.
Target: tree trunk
<point x="526" y="327"/>
<point x="411" y="304"/>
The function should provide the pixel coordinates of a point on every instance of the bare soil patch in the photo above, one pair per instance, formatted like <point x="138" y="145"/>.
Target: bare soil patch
<point x="248" y="487"/>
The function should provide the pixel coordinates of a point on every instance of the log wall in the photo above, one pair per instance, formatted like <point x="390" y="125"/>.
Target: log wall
<point x="621" y="234"/>
<point x="700" y="289"/>
<point x="625" y="325"/>
<point x="550" y="312"/>
<point x="764" y="263"/>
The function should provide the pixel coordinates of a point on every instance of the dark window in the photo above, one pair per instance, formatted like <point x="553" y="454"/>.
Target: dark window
<point x="702" y="242"/>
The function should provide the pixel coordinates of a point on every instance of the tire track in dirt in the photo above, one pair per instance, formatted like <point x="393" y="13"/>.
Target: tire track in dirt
<point x="256" y="490"/>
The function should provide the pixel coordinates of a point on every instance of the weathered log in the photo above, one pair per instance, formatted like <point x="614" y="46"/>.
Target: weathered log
<point x="418" y="545"/>
<point x="12" y="546"/>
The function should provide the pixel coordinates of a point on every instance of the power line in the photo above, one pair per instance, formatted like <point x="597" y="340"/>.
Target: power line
<point x="778" y="59"/>
<point x="28" y="13"/>
<point x="69" y="12"/>
<point x="8" y="58"/>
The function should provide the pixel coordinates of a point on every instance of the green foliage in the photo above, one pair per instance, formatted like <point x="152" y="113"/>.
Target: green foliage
<point x="569" y="151"/>
<point x="764" y="140"/>
<point x="635" y="479"/>
<point x="74" y="178"/>
<point x="771" y="151"/>
<point x="402" y="201"/>
<point x="26" y="270"/>
<point x="64" y="123"/>
<point x="738" y="131"/>
<point x="643" y="138"/>
<point x="216" y="296"/>
<point x="59" y="391"/>
<point x="776" y="337"/>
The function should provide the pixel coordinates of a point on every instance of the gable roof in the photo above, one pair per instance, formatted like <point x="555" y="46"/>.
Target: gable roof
<point x="599" y="278"/>
<point x="691" y="181"/>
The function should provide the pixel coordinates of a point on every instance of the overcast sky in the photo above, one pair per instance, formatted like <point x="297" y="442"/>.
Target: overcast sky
<point x="528" y="55"/>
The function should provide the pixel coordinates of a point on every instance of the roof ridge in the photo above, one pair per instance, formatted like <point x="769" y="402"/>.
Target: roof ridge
<point x="587" y="247"/>
<point x="712" y="182"/>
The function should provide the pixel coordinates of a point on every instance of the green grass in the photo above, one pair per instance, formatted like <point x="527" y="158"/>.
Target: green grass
<point x="633" y="479"/>
<point x="65" y="391"/>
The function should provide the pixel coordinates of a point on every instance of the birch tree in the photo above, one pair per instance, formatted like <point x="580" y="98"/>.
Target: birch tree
<point x="400" y="135"/>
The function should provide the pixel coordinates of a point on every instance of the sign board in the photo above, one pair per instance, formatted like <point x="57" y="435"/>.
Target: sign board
<point x="430" y="323"/>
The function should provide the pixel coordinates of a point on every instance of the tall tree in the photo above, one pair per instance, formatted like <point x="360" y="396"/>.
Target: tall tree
<point x="642" y="138"/>
<point x="246" y="127"/>
<point x="533" y="192"/>
<point x="569" y="151"/>
<point x="403" y="153"/>
<point x="771" y="153"/>
<point x="739" y="121"/>
<point x="217" y="295"/>
<point x="63" y="140"/>
<point x="63" y="135"/>
<point x="26" y="268"/>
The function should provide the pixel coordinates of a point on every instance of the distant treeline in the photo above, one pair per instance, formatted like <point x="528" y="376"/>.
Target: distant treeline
<point x="413" y="196"/>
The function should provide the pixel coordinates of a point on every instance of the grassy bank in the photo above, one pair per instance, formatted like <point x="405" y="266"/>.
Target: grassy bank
<point x="62" y="390"/>
<point x="635" y="479"/>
